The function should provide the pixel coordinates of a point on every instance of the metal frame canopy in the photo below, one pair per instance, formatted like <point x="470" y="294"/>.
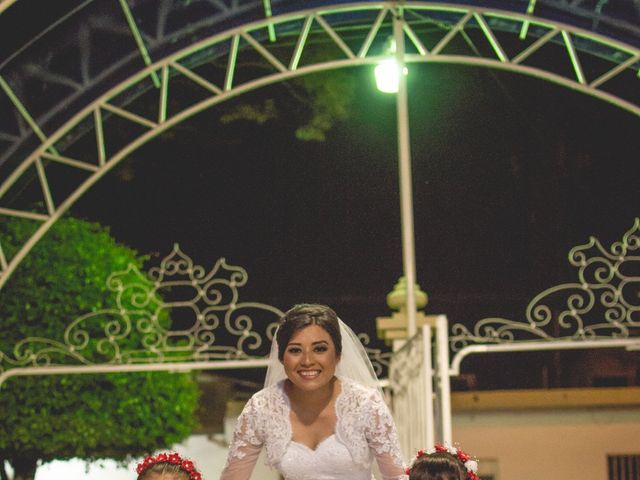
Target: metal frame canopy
<point x="63" y="116"/>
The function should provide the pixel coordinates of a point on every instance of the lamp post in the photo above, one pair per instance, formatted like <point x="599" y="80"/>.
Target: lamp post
<point x="406" y="188"/>
<point x="391" y="78"/>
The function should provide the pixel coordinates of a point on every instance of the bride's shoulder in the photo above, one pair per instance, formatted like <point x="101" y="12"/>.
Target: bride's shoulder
<point x="273" y="393"/>
<point x="350" y="384"/>
<point x="353" y="389"/>
<point x="266" y="405"/>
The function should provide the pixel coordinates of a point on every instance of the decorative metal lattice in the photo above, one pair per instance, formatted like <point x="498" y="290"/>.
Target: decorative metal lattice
<point x="408" y="364"/>
<point x="608" y="289"/>
<point x="410" y="379"/>
<point x="176" y="312"/>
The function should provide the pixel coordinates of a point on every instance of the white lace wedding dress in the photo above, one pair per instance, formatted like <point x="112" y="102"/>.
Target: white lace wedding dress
<point x="364" y="430"/>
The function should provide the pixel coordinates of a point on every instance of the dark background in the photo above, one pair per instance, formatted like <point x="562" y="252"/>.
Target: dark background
<point x="509" y="173"/>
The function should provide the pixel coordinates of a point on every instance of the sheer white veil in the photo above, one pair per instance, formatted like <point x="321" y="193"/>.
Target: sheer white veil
<point x="354" y="362"/>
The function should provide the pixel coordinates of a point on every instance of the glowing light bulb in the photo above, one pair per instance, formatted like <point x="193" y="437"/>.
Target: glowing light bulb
<point x="387" y="75"/>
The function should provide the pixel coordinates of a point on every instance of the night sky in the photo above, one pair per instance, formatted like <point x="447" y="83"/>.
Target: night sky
<point x="509" y="173"/>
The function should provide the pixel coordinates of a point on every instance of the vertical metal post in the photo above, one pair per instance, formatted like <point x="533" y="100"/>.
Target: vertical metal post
<point x="443" y="380"/>
<point x="429" y="426"/>
<point x="404" y="165"/>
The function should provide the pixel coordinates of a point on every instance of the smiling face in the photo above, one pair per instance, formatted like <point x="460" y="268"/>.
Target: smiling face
<point x="310" y="358"/>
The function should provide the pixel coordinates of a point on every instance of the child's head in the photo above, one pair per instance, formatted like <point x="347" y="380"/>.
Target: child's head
<point x="167" y="466"/>
<point x="443" y="463"/>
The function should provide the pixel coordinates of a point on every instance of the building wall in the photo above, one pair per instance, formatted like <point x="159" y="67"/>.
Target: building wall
<point x="548" y="445"/>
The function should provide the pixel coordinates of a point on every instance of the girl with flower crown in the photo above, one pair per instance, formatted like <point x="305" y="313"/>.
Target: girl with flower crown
<point x="320" y="415"/>
<point x="167" y="466"/>
<point x="443" y="463"/>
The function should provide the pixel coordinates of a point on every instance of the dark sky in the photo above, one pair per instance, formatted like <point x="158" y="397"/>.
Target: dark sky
<point x="509" y="174"/>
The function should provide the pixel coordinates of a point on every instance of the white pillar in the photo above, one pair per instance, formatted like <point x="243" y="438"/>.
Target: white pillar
<point x="404" y="165"/>
<point x="444" y="383"/>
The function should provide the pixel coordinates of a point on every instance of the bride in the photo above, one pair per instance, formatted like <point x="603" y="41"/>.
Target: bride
<point x="319" y="416"/>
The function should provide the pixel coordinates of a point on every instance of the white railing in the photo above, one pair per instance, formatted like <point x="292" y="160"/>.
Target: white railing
<point x="410" y="380"/>
<point x="419" y="380"/>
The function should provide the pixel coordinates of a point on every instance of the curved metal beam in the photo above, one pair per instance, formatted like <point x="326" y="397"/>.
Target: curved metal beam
<point x="66" y="60"/>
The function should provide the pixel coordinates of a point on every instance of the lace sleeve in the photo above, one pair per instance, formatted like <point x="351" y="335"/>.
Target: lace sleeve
<point x="382" y="437"/>
<point x="245" y="446"/>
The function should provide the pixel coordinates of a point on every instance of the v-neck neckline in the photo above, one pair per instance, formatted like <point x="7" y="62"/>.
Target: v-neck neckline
<point x="290" y="425"/>
<point x="314" y="450"/>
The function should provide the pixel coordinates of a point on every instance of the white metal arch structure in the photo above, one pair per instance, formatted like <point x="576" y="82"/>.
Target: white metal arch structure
<point x="354" y="34"/>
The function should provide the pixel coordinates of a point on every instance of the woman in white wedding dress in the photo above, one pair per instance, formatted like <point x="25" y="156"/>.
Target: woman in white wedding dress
<point x="320" y="415"/>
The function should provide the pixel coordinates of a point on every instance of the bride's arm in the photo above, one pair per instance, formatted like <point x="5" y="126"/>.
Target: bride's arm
<point x="382" y="437"/>
<point x="245" y="447"/>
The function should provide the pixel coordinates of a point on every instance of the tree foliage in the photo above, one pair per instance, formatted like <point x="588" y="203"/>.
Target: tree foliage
<point x="317" y="102"/>
<point x="86" y="416"/>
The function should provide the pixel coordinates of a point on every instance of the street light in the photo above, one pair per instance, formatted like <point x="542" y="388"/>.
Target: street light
<point x="387" y="72"/>
<point x="391" y="77"/>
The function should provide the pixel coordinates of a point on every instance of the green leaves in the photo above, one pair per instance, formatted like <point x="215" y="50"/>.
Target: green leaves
<point x="330" y="97"/>
<point x="315" y="103"/>
<point x="87" y="416"/>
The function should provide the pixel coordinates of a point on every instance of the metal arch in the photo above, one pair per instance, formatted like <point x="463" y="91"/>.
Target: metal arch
<point x="325" y="23"/>
<point x="63" y="64"/>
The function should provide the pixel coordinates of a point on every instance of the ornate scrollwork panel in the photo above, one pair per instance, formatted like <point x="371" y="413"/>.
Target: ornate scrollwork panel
<point x="604" y="302"/>
<point x="176" y="312"/>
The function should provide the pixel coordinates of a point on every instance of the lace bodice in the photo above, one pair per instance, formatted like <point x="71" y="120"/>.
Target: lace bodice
<point x="329" y="461"/>
<point x="364" y="429"/>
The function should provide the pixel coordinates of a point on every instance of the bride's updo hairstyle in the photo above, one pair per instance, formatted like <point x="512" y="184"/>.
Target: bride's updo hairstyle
<point x="303" y="315"/>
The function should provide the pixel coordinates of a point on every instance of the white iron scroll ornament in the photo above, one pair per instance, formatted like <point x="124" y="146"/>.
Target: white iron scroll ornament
<point x="603" y="304"/>
<point x="176" y="312"/>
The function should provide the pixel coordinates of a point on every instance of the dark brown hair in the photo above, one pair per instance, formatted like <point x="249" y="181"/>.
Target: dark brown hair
<point x="303" y="315"/>
<point x="438" y="466"/>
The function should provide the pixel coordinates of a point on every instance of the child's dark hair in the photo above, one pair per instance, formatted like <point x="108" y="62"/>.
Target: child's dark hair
<point x="443" y="463"/>
<point x="438" y="466"/>
<point x="169" y="465"/>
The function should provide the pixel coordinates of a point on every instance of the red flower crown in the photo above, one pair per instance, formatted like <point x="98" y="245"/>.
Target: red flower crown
<point x="470" y="465"/>
<point x="173" y="459"/>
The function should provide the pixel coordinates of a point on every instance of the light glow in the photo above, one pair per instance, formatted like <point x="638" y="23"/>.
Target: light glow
<point x="387" y="75"/>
